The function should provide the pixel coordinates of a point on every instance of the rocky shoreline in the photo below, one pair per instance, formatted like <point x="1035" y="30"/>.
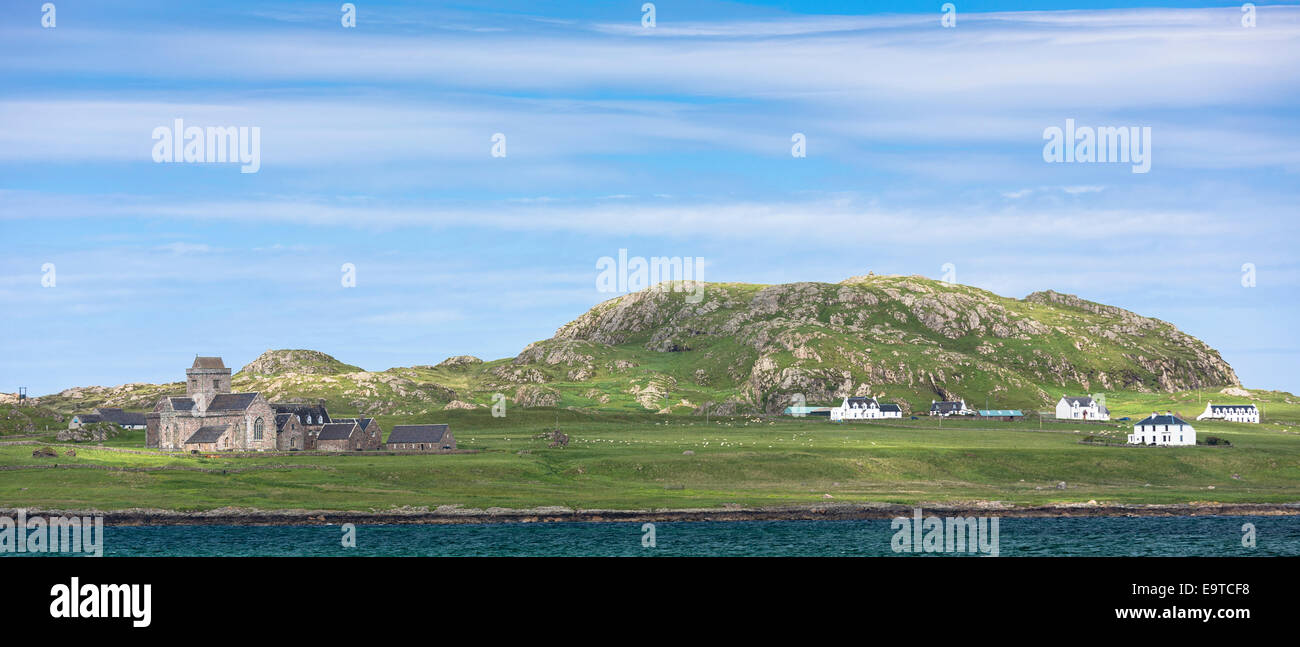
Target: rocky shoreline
<point x="829" y="512"/>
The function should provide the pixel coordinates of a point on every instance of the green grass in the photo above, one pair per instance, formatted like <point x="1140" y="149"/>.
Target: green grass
<point x="635" y="461"/>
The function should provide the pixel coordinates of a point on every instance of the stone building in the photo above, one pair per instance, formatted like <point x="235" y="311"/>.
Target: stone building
<point x="210" y="417"/>
<point x="370" y="430"/>
<point x="311" y="418"/>
<point x="346" y="437"/>
<point x="289" y="432"/>
<point x="425" y="438"/>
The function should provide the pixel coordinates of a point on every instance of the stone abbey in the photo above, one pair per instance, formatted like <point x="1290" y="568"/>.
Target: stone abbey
<point x="210" y="418"/>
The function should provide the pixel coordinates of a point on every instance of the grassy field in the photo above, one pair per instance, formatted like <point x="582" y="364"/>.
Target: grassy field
<point x="636" y="461"/>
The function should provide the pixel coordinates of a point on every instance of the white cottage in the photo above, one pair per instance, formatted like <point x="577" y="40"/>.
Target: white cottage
<point x="1162" y="429"/>
<point x="949" y="408"/>
<point x="865" y="409"/>
<point x="1081" y="408"/>
<point x="1230" y="412"/>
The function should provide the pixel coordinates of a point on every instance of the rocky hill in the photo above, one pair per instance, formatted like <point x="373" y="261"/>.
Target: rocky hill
<point x="308" y="362"/>
<point x="761" y="347"/>
<point x="907" y="339"/>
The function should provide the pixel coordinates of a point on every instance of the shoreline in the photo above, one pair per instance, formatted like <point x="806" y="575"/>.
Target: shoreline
<point x="831" y="512"/>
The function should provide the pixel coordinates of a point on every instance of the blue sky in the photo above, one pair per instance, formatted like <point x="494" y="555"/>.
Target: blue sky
<point x="924" y="147"/>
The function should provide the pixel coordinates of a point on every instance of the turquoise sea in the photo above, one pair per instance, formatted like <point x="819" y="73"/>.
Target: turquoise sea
<point x="1105" y="536"/>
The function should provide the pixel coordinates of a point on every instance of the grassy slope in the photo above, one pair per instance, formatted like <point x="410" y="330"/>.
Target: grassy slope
<point x="635" y="461"/>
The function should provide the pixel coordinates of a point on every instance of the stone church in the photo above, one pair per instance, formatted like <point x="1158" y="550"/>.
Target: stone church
<point x="210" y="418"/>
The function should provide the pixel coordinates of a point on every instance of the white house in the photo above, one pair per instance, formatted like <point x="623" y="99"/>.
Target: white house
<point x="949" y="408"/>
<point x="1081" y="408"/>
<point x="1230" y="412"/>
<point x="1162" y="429"/>
<point x="865" y="409"/>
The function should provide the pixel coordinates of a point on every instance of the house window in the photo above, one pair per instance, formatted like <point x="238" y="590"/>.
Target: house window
<point x="216" y="384"/>
<point x="257" y="429"/>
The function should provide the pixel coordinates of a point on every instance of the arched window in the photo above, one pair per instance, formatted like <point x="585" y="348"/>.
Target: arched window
<point x="257" y="429"/>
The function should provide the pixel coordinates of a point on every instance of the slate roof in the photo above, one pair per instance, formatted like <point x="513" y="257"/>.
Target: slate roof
<point x="88" y="418"/>
<point x="231" y="401"/>
<point x="281" y="419"/>
<point x="1230" y="407"/>
<point x="182" y="404"/>
<point x="890" y="407"/>
<point x="417" y="434"/>
<point x="337" y="431"/>
<point x="1161" y="419"/>
<point x="361" y="422"/>
<point x="869" y="403"/>
<point x="120" y="417"/>
<point x="1085" y="401"/>
<point x="946" y="406"/>
<point x="208" y="362"/>
<point x="208" y="434"/>
<point x="316" y="411"/>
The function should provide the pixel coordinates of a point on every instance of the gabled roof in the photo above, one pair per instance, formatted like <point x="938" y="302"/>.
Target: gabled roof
<point x="120" y="417"/>
<point x="1082" y="400"/>
<point x="417" y="433"/>
<point x="1230" y="407"/>
<point x="208" y="434"/>
<point x="316" y="411"/>
<point x="947" y="406"/>
<point x="231" y="401"/>
<point x="281" y="419"/>
<point x="889" y="407"/>
<point x="1161" y="419"/>
<point x="869" y="403"/>
<point x="208" y="362"/>
<point x="361" y="422"/>
<point x="88" y="418"/>
<point x="337" y="431"/>
<point x="182" y="404"/>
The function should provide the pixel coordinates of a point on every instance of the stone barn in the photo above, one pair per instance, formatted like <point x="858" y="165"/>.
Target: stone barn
<point x="421" y="438"/>
<point x="370" y="430"/>
<point x="345" y="437"/>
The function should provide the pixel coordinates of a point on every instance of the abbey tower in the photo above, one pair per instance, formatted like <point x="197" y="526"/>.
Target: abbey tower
<point x="205" y="380"/>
